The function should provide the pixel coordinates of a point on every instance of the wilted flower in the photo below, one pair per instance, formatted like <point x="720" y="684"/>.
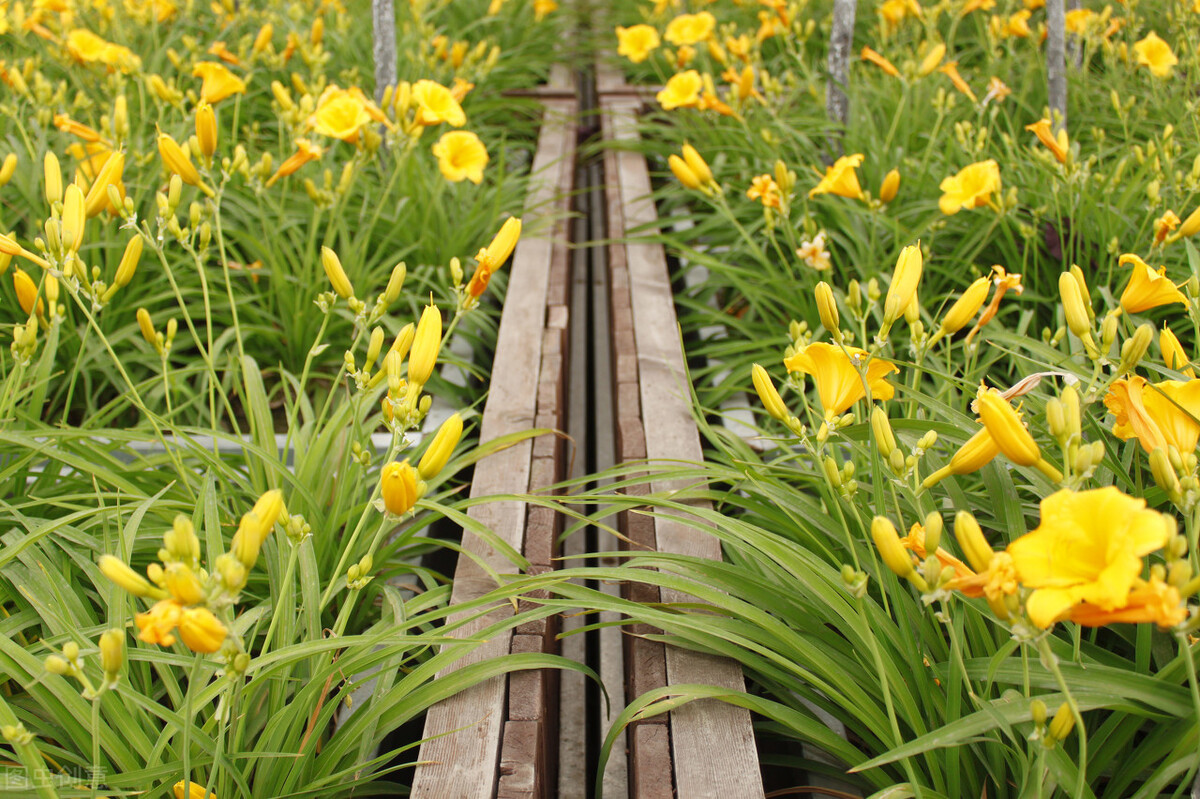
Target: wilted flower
<point x="812" y="252"/>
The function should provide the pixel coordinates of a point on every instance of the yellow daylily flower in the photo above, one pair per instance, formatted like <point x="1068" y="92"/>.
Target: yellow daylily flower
<point x="1158" y="415"/>
<point x="836" y="373"/>
<point x="201" y="631"/>
<point x="436" y="104"/>
<point x="1148" y="288"/>
<point x="219" y="82"/>
<point x="972" y="187"/>
<point x="637" y="42"/>
<point x="1055" y="144"/>
<point x="688" y="29"/>
<point x="681" y="91"/>
<point x="1155" y="54"/>
<point x="461" y="155"/>
<point x="1087" y="548"/>
<point x="841" y="179"/>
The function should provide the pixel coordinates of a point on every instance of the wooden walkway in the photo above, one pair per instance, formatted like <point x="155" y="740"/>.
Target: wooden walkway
<point x="502" y="737"/>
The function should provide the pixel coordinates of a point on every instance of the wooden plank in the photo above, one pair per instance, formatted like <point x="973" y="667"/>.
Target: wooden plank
<point x="712" y="743"/>
<point x="461" y="757"/>
<point x="519" y="774"/>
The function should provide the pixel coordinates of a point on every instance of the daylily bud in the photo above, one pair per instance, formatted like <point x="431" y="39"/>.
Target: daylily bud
<point x="206" y="130"/>
<point x="426" y="343"/>
<point x="201" y="631"/>
<point x="1164" y="474"/>
<point x="147" y="327"/>
<point x="74" y="218"/>
<point x="881" y="431"/>
<point x="964" y="309"/>
<point x="1056" y="420"/>
<point x="932" y="59"/>
<point x="181" y="582"/>
<point x="933" y="531"/>
<point x="440" y="448"/>
<point x="767" y="393"/>
<point x="9" y="168"/>
<point x="336" y="274"/>
<point x="697" y="164"/>
<point x="56" y="664"/>
<point x="1075" y="309"/>
<point x="971" y="541"/>
<point x="1061" y="725"/>
<point x="889" y="187"/>
<point x="374" y="345"/>
<point x="827" y="308"/>
<point x="404" y="340"/>
<point x="178" y="162"/>
<point x="398" y="486"/>
<point x="905" y="279"/>
<point x="129" y="261"/>
<point x="53" y="177"/>
<point x="112" y="652"/>
<point x="1191" y="225"/>
<point x="1172" y="351"/>
<point x="395" y="284"/>
<point x="683" y="172"/>
<point x="1007" y="429"/>
<point x="126" y="578"/>
<point x="503" y="243"/>
<point x="894" y="555"/>
<point x="1037" y="711"/>
<point x="1134" y="348"/>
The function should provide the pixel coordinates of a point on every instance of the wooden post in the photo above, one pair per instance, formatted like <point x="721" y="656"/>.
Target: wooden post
<point x="837" y="103"/>
<point x="383" y="19"/>
<point x="1056" y="66"/>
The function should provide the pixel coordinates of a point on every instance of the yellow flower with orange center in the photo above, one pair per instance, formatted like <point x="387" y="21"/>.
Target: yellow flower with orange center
<point x="1155" y="54"/>
<point x="340" y="114"/>
<point x="219" y="82"/>
<point x="1157" y="414"/>
<point x="841" y="179"/>
<point x="690" y="28"/>
<point x="1088" y="548"/>
<point x="636" y="42"/>
<point x="436" y="104"/>
<point x="972" y="187"/>
<point x="461" y="155"/>
<point x="837" y="375"/>
<point x="681" y="91"/>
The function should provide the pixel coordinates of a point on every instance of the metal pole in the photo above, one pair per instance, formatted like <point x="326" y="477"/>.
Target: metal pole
<point x="837" y="103"/>
<point x="383" y="19"/>
<point x="1056" y="66"/>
